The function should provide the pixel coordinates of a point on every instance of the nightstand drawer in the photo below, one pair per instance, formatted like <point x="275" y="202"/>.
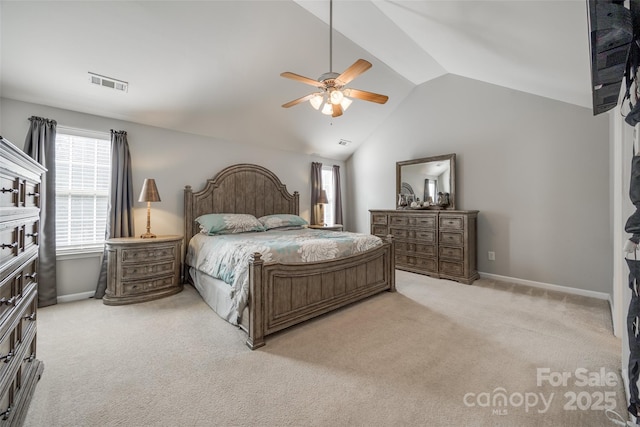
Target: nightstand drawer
<point x="148" y="254"/>
<point x="144" y="286"/>
<point x="140" y="271"/>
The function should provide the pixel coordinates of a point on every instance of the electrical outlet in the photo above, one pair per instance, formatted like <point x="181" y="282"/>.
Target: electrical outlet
<point x="492" y="256"/>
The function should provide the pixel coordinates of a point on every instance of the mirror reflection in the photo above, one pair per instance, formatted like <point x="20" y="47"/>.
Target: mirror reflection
<point x="427" y="183"/>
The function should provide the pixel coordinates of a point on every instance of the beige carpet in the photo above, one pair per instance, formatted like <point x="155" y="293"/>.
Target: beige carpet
<point x="436" y="353"/>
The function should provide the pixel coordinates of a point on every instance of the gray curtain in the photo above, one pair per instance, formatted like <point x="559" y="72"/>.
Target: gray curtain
<point x="120" y="209"/>
<point x="316" y="189"/>
<point x="337" y="203"/>
<point x="40" y="144"/>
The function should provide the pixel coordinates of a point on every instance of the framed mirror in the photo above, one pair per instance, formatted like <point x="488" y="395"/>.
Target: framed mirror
<point x="429" y="178"/>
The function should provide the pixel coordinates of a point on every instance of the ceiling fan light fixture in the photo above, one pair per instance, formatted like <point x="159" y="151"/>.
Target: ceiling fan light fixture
<point x="336" y="96"/>
<point x="316" y="101"/>
<point x="345" y="103"/>
<point x="332" y="100"/>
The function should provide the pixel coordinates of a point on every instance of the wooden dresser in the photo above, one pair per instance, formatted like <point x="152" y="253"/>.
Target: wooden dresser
<point x="20" y="179"/>
<point x="438" y="243"/>
<point x="142" y="269"/>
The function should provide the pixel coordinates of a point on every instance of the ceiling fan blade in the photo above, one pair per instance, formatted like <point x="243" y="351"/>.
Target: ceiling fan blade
<point x="298" y="101"/>
<point x="358" y="67"/>
<point x="337" y="110"/>
<point x="366" y="96"/>
<point x="302" y="79"/>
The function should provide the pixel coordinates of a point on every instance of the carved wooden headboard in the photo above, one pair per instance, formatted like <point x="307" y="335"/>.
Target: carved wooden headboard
<point x="241" y="188"/>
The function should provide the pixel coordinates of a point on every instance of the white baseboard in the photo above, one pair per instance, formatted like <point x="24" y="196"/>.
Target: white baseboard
<point x="76" y="297"/>
<point x="549" y="286"/>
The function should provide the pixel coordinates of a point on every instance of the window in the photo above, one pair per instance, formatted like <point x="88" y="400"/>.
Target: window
<point x="327" y="185"/>
<point x="83" y="174"/>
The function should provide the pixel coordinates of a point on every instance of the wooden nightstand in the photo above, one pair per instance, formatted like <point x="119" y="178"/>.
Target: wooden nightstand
<point x="142" y="269"/>
<point x="334" y="227"/>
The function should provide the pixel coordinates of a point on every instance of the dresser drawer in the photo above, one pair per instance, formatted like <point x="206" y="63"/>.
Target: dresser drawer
<point x="8" y="350"/>
<point x="11" y="290"/>
<point x="451" y="253"/>
<point x="379" y="230"/>
<point x="9" y="242"/>
<point x="28" y="318"/>
<point x="422" y="221"/>
<point x="425" y="236"/>
<point x="31" y="234"/>
<point x="9" y="191"/>
<point x="452" y="222"/>
<point x="138" y="271"/>
<point x="29" y="274"/>
<point x="27" y="360"/>
<point x="399" y="220"/>
<point x="144" y="286"/>
<point x="451" y="268"/>
<point x="427" y="264"/>
<point x="448" y="238"/>
<point x="415" y="248"/>
<point x="31" y="194"/>
<point x="378" y="219"/>
<point x="7" y="401"/>
<point x="148" y="254"/>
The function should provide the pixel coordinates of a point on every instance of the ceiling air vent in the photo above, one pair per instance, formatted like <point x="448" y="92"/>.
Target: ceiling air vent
<point x="108" y="82"/>
<point x="344" y="142"/>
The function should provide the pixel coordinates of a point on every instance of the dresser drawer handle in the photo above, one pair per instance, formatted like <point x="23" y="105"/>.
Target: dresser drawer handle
<point x="33" y="194"/>
<point x="32" y="316"/>
<point x="8" y="357"/>
<point x="30" y="358"/>
<point x="31" y="276"/>
<point x="10" y="190"/>
<point x="9" y="245"/>
<point x="32" y="234"/>
<point x="10" y="301"/>
<point x="5" y="414"/>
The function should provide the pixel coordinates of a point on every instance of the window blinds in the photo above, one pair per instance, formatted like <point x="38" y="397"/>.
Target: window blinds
<point x="83" y="174"/>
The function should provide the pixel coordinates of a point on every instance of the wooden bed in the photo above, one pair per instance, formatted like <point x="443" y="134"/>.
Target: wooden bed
<point x="282" y="295"/>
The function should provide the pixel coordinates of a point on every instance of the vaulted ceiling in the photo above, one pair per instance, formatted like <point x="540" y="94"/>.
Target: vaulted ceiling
<point x="213" y="67"/>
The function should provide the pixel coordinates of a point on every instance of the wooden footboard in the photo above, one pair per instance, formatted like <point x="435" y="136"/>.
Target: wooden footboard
<point x="282" y="295"/>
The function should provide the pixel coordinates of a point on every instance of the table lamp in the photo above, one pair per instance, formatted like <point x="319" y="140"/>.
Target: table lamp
<point x="322" y="200"/>
<point x="149" y="193"/>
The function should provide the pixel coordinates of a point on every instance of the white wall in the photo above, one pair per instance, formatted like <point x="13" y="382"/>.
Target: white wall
<point x="174" y="159"/>
<point x="535" y="168"/>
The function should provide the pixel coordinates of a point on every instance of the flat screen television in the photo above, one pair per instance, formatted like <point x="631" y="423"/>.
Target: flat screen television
<point x="611" y="32"/>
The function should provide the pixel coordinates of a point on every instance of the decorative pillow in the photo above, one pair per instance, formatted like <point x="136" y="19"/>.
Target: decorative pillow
<point x="228" y="223"/>
<point x="282" y="220"/>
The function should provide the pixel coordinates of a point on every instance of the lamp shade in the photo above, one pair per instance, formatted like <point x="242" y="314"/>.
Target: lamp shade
<point x="149" y="192"/>
<point x="323" y="198"/>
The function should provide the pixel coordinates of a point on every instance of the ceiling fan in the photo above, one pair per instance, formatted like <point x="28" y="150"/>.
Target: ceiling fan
<point x="333" y="96"/>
